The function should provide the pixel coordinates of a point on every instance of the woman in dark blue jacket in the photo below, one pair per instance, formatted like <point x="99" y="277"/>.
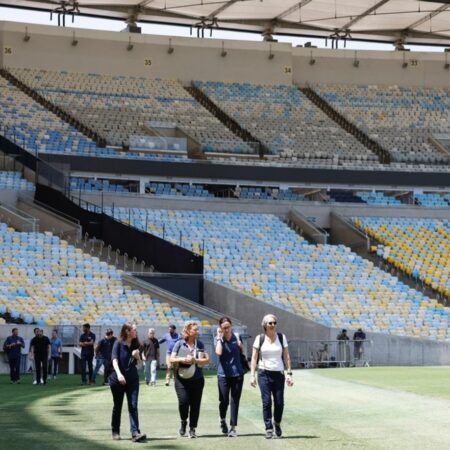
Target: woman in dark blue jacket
<point x="230" y="374"/>
<point x="125" y="380"/>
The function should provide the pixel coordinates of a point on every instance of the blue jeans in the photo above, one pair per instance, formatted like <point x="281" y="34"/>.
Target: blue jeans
<point x="131" y="389"/>
<point x="150" y="371"/>
<point x="271" y="384"/>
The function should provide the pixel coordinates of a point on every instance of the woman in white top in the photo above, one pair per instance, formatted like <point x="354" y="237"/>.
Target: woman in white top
<point x="271" y="355"/>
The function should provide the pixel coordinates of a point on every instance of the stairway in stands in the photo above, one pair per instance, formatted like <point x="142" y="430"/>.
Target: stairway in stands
<point x="375" y="147"/>
<point x="229" y="122"/>
<point x="61" y="113"/>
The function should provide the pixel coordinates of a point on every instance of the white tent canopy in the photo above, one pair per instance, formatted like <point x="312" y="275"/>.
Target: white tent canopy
<point x="401" y="21"/>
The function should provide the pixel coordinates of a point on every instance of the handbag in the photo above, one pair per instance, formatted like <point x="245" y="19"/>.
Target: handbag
<point x="244" y="362"/>
<point x="185" y="371"/>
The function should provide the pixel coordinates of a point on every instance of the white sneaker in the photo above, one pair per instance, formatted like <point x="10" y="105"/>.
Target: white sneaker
<point x="34" y="382"/>
<point x="232" y="433"/>
<point x="42" y="381"/>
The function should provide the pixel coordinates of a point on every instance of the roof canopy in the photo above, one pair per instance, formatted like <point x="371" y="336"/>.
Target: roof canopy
<point x="408" y="21"/>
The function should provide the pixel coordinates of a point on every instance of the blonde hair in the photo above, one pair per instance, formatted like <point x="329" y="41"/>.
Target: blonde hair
<point x="267" y="318"/>
<point x="187" y="327"/>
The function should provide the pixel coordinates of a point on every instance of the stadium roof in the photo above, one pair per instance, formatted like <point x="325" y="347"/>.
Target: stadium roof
<point x="401" y="21"/>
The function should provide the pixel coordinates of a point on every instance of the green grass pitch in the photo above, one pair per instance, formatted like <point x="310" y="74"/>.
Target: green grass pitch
<point x="357" y="408"/>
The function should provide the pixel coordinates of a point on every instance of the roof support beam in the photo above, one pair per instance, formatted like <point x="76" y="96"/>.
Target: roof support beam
<point x="428" y="17"/>
<point x="292" y="9"/>
<point x="364" y="14"/>
<point x="222" y="8"/>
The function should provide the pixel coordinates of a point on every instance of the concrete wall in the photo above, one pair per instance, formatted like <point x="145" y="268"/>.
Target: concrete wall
<point x="316" y="212"/>
<point x="387" y="350"/>
<point x="106" y="53"/>
<point x="199" y="59"/>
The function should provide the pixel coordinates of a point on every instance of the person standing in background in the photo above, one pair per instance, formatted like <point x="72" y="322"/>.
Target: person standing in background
<point x="103" y="353"/>
<point x="150" y="356"/>
<point x="31" y="357"/>
<point x="13" y="348"/>
<point x="358" y="341"/>
<point x="41" y="351"/>
<point x="170" y="338"/>
<point x="87" y="341"/>
<point x="56" y="354"/>
<point x="230" y="374"/>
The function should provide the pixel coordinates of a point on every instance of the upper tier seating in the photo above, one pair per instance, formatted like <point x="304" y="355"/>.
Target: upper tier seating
<point x="14" y="181"/>
<point x="341" y="196"/>
<point x="419" y="247"/>
<point x="94" y="185"/>
<point x="46" y="281"/>
<point x="118" y="107"/>
<point x="401" y="119"/>
<point x="260" y="255"/>
<point x="38" y="130"/>
<point x="289" y="124"/>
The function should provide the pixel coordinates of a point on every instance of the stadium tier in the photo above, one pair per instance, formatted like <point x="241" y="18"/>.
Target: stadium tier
<point x="14" y="181"/>
<point x="401" y="119"/>
<point x="419" y="247"/>
<point x="289" y="124"/>
<point x="93" y="185"/>
<point x="46" y="281"/>
<point x="38" y="130"/>
<point x="433" y="200"/>
<point x="377" y="198"/>
<point x="129" y="110"/>
<point x="260" y="255"/>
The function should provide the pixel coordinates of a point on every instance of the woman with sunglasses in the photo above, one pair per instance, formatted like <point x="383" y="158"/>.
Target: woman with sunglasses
<point x="230" y="374"/>
<point x="271" y="355"/>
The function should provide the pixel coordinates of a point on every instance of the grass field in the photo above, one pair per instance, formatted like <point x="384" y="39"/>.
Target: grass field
<point x="369" y="408"/>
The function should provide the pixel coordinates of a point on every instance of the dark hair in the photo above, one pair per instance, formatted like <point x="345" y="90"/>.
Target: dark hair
<point x="86" y="325"/>
<point x="173" y="327"/>
<point x="34" y="329"/>
<point x="126" y="328"/>
<point x="14" y="329"/>
<point x="224" y="319"/>
<point x="55" y="331"/>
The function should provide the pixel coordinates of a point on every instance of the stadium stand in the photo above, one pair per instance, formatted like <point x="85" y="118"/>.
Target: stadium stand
<point x="260" y="255"/>
<point x="289" y="124"/>
<point x="38" y="130"/>
<point x="48" y="282"/>
<point x="118" y="107"/>
<point x="418" y="247"/>
<point x="94" y="185"/>
<point x="401" y="119"/>
<point x="432" y="200"/>
<point x="14" y="181"/>
<point x="377" y="198"/>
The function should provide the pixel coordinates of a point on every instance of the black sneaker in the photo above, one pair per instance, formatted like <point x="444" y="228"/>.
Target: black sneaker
<point x="278" y="431"/>
<point x="139" y="437"/>
<point x="223" y="426"/>
<point x="182" y="430"/>
<point x="192" y="434"/>
<point x="269" y="434"/>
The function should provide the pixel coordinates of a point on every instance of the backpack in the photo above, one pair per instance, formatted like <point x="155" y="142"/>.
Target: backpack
<point x="262" y="338"/>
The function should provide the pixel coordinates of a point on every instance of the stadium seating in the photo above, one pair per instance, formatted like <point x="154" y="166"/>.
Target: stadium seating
<point x="432" y="200"/>
<point x="377" y="198"/>
<point x="419" y="247"/>
<point x="14" y="181"/>
<point x="260" y="255"/>
<point x="38" y="130"/>
<point x="289" y="124"/>
<point x="46" y="281"/>
<point x="343" y="196"/>
<point x="118" y="107"/>
<point x="93" y="185"/>
<point x="401" y="119"/>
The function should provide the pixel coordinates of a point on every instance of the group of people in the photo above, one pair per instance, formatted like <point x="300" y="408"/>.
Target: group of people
<point x="187" y="357"/>
<point x="44" y="355"/>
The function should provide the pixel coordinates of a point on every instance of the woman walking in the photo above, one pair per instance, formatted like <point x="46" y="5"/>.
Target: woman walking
<point x="271" y="355"/>
<point x="230" y="374"/>
<point x="125" y="380"/>
<point x="189" y="354"/>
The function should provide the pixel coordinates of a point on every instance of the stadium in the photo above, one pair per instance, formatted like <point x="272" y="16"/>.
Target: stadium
<point x="258" y="157"/>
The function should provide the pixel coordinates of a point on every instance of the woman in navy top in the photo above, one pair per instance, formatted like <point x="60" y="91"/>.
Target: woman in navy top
<point x="189" y="388"/>
<point x="125" y="380"/>
<point x="230" y="374"/>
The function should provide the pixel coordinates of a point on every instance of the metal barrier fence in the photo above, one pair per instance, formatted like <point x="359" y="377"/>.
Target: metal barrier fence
<point x="333" y="353"/>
